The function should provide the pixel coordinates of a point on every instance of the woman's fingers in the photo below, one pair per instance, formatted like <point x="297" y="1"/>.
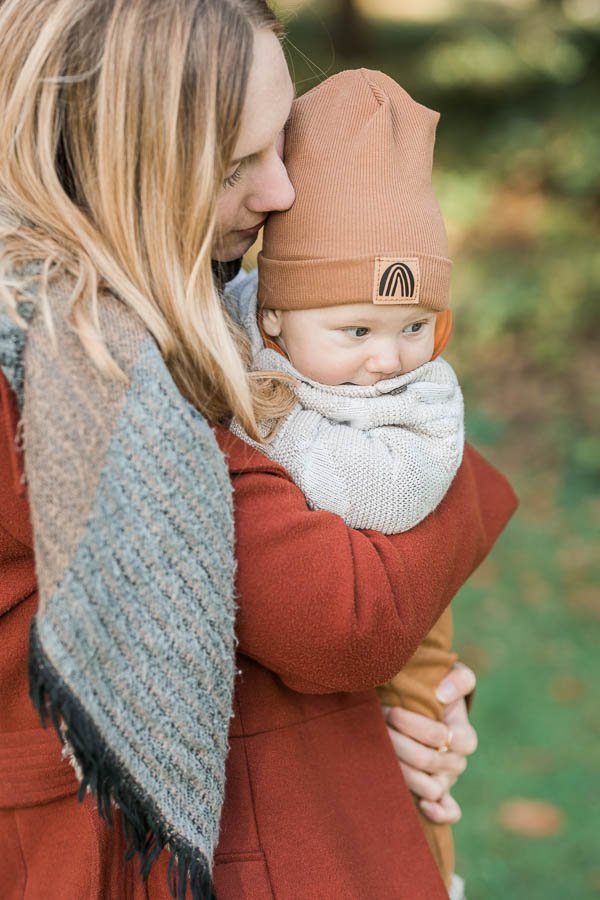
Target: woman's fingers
<point x="420" y="728"/>
<point x="459" y="682"/>
<point x="433" y="754"/>
<point x="426" y="787"/>
<point x="464" y="736"/>
<point x="428" y="760"/>
<point x="445" y="812"/>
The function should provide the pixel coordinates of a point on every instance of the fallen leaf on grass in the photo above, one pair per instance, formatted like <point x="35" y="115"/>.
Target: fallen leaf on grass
<point x="531" y="818"/>
<point x="566" y="688"/>
<point x="585" y="599"/>
<point x="593" y="881"/>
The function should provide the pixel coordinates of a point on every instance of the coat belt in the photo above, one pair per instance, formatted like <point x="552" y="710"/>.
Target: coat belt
<point x="32" y="769"/>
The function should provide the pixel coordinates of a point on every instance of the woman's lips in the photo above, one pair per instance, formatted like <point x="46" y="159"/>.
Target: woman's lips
<point x="248" y="232"/>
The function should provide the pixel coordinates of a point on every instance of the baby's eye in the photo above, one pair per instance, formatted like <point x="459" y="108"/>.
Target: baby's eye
<point x="414" y="328"/>
<point x="357" y="331"/>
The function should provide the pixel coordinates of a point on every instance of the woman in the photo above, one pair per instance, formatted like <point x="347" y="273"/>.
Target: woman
<point x="123" y="119"/>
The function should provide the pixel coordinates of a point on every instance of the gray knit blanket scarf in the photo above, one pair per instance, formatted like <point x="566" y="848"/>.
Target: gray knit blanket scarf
<point x="132" y="649"/>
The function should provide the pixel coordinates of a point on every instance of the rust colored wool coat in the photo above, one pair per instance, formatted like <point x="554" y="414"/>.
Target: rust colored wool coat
<point x="315" y="803"/>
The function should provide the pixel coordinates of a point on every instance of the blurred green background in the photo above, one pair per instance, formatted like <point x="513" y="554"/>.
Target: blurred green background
<point x="517" y="172"/>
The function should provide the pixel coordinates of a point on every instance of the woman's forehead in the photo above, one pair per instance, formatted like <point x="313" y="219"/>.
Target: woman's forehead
<point x="269" y="96"/>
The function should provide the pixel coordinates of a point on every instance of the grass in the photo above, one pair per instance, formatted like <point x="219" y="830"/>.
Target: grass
<point x="529" y="624"/>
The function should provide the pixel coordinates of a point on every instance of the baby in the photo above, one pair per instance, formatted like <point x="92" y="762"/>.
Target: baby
<point x="351" y="304"/>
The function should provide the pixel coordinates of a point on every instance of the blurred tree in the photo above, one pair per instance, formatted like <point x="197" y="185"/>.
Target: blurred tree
<point x="350" y="30"/>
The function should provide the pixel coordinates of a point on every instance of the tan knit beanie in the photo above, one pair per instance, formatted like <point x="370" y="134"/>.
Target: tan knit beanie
<point x="365" y="224"/>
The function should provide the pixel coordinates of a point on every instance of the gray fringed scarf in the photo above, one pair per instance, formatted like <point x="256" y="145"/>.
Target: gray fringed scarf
<point x="132" y="649"/>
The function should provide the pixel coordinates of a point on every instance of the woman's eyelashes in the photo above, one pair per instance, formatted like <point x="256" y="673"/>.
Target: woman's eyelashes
<point x="232" y="179"/>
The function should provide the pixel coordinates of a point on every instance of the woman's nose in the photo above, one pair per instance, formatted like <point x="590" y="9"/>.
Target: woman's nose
<point x="272" y="189"/>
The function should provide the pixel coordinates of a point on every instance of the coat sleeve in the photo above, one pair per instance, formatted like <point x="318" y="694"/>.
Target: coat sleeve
<point x="332" y="609"/>
<point x="415" y="685"/>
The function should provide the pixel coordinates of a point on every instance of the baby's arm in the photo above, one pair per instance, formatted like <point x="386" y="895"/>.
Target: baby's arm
<point x="381" y="462"/>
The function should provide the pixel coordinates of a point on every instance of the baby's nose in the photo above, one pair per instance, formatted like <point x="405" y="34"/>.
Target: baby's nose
<point x="386" y="360"/>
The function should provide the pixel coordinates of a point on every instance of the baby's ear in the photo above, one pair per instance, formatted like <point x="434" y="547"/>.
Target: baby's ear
<point x="271" y="321"/>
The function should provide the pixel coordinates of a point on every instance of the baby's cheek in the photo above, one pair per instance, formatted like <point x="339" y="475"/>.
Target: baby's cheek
<point x="344" y="371"/>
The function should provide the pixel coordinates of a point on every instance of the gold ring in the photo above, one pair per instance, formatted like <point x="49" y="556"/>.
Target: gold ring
<point x="445" y="747"/>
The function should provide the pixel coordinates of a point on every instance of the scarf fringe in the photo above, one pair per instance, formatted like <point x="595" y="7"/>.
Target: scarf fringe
<point x="144" y="828"/>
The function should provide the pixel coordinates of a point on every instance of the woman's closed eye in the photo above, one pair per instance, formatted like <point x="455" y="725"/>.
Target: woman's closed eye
<point x="232" y="179"/>
<point x="357" y="331"/>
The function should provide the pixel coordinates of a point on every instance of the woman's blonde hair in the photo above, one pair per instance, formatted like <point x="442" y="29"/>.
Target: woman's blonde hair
<point x="118" y="119"/>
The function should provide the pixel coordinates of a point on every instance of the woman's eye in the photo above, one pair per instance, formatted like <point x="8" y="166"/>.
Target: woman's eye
<point x="232" y="179"/>
<point x="415" y="328"/>
<point x="357" y="332"/>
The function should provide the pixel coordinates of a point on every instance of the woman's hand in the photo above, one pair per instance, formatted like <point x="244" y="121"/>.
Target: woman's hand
<point x="433" y="754"/>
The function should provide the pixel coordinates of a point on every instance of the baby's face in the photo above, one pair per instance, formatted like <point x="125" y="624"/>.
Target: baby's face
<point x="358" y="343"/>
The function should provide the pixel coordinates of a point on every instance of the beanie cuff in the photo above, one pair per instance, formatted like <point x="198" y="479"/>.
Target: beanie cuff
<point x="312" y="283"/>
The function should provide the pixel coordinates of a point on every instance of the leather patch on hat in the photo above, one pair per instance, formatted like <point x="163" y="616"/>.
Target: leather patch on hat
<point x="396" y="280"/>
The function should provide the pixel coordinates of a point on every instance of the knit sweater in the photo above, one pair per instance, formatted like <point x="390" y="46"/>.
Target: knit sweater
<point x="382" y="456"/>
<point x="132" y="649"/>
